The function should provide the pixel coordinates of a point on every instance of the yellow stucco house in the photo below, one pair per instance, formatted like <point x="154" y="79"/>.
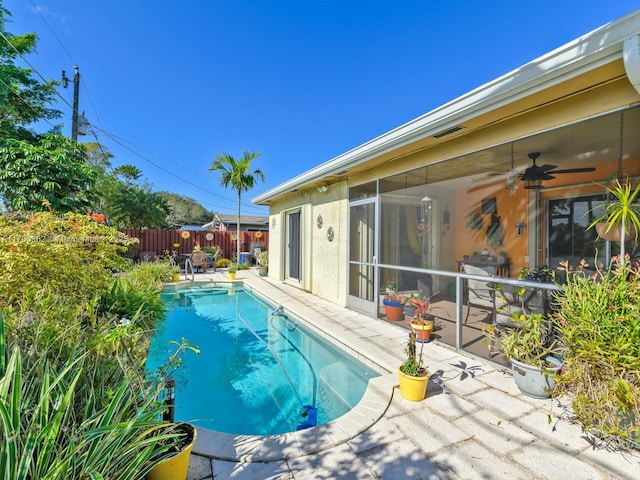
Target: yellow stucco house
<point x="458" y="184"/>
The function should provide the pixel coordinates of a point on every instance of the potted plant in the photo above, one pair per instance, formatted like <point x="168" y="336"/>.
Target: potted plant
<point x="541" y="273"/>
<point x="413" y="374"/>
<point x="530" y="347"/>
<point x="621" y="216"/>
<point x="170" y="257"/>
<point x="175" y="440"/>
<point x="597" y="320"/>
<point x="423" y="320"/>
<point x="231" y="272"/>
<point x="393" y="305"/>
<point x="409" y="306"/>
<point x="175" y="274"/>
<point x="175" y="466"/>
<point x="263" y="260"/>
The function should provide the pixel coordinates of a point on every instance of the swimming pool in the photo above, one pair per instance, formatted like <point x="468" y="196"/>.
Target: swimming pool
<point x="258" y="373"/>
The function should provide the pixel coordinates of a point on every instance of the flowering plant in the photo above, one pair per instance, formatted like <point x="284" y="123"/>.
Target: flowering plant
<point x="424" y="308"/>
<point x="391" y="294"/>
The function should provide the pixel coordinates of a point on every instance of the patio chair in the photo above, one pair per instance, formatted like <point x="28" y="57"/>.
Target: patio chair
<point x="480" y="294"/>
<point x="256" y="255"/>
<point x="199" y="260"/>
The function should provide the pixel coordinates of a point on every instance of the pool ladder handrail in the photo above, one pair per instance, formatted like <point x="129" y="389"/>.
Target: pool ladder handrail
<point x="188" y="264"/>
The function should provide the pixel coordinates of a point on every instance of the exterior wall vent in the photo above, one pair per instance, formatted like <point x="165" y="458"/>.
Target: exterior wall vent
<point x="448" y="131"/>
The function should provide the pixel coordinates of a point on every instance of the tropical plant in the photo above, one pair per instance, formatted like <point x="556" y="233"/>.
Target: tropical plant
<point x="529" y="340"/>
<point x="598" y="321"/>
<point x="413" y="364"/>
<point x="424" y="308"/>
<point x="390" y="292"/>
<point x="127" y="298"/>
<point x="52" y="173"/>
<point x="134" y="206"/>
<point x="184" y="210"/>
<point x="72" y="256"/>
<point x="38" y="435"/>
<point x="23" y="98"/>
<point x="84" y="411"/>
<point x="622" y="211"/>
<point x="237" y="174"/>
<point x="263" y="259"/>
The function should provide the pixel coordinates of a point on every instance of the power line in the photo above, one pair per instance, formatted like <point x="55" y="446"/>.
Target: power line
<point x="38" y="11"/>
<point x="186" y="167"/>
<point x="34" y="69"/>
<point x="84" y="85"/>
<point x="113" y="137"/>
<point x="120" y="140"/>
<point x="27" y="104"/>
<point x="169" y="172"/>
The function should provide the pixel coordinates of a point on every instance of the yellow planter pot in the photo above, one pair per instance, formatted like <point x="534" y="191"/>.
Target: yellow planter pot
<point x="175" y="277"/>
<point x="231" y="276"/>
<point x="413" y="388"/>
<point x="176" y="467"/>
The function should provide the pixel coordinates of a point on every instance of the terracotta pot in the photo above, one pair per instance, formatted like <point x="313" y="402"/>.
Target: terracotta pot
<point x="393" y="310"/>
<point x="422" y="329"/>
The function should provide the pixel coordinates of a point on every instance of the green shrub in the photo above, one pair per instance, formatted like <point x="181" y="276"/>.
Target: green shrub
<point x="72" y="256"/>
<point x="148" y="273"/>
<point x="126" y="300"/>
<point x="598" y="320"/>
<point x="222" y="263"/>
<point x="53" y="426"/>
<point x="75" y="401"/>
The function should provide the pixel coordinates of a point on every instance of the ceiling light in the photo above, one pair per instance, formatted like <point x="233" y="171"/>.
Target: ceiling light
<point x="534" y="184"/>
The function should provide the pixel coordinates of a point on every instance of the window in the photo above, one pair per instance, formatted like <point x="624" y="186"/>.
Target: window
<point x="569" y="236"/>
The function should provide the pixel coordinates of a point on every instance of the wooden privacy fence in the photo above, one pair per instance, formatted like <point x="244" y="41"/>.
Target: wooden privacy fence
<point x="159" y="241"/>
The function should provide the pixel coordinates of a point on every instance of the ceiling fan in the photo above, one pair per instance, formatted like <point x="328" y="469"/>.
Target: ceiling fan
<point x="534" y="175"/>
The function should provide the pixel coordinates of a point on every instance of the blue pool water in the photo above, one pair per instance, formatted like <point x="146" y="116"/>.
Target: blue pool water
<point x="256" y="371"/>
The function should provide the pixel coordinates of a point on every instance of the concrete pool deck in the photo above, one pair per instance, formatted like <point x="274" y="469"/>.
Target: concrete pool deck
<point x="474" y="422"/>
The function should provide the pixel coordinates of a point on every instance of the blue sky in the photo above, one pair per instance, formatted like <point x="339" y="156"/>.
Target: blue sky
<point x="167" y="86"/>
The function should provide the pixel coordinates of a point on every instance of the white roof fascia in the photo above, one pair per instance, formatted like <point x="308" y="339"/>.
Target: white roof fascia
<point x="597" y="48"/>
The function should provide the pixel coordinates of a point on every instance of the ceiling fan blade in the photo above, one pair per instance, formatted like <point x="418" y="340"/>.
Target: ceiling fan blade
<point x="533" y="176"/>
<point x="546" y="168"/>
<point x="575" y="170"/>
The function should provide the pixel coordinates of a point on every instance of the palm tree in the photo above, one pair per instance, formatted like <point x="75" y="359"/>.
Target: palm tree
<point x="237" y="174"/>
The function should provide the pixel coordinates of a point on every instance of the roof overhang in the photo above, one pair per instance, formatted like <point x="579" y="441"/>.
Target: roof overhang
<point x="596" y="49"/>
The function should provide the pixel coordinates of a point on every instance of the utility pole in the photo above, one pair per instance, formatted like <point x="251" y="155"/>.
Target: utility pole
<point x="76" y="90"/>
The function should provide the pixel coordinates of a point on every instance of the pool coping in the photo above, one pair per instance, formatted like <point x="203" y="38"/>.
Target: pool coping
<point x="371" y="407"/>
<point x="267" y="448"/>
